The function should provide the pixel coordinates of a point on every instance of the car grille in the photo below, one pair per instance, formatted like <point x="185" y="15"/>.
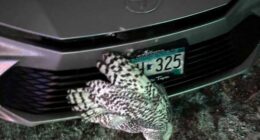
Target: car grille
<point x="41" y="91"/>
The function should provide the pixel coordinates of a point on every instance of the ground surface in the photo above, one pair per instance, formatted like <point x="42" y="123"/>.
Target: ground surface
<point x="229" y="110"/>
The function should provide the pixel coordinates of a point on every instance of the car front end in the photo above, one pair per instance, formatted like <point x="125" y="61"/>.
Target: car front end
<point x="48" y="47"/>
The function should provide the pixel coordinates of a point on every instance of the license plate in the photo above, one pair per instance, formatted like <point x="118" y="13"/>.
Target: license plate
<point x="161" y="62"/>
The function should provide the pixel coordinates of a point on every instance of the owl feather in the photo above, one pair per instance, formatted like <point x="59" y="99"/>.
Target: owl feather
<point x="129" y="101"/>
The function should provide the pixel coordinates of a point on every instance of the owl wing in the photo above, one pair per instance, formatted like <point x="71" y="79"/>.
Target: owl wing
<point x="121" y="72"/>
<point x="122" y="102"/>
<point x="82" y="101"/>
<point x="101" y="97"/>
<point x="118" y="122"/>
<point x="130" y="93"/>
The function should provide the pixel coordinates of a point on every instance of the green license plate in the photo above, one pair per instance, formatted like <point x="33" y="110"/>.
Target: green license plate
<point x="161" y="62"/>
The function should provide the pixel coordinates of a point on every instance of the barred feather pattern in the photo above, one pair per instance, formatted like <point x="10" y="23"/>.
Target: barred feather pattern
<point x="128" y="102"/>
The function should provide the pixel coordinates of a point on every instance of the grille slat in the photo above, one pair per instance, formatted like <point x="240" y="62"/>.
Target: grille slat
<point x="210" y="51"/>
<point x="180" y="85"/>
<point x="204" y="47"/>
<point x="198" y="74"/>
<point x="206" y="63"/>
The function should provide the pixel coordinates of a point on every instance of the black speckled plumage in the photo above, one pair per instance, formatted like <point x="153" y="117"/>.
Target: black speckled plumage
<point x="130" y="102"/>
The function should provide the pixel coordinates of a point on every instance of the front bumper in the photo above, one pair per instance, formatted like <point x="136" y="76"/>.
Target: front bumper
<point x="241" y="18"/>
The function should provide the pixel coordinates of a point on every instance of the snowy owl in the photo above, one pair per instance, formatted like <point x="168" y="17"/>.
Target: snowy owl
<point x="129" y="102"/>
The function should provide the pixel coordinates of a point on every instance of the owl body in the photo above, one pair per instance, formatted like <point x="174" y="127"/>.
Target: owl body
<point x="129" y="102"/>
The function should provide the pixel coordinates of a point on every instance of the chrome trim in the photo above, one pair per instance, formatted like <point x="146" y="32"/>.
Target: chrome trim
<point x="5" y="65"/>
<point x="27" y="119"/>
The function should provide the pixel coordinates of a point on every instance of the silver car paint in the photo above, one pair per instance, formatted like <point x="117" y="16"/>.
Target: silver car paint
<point x="73" y="19"/>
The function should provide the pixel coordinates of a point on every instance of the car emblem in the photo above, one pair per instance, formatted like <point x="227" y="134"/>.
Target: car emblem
<point x="142" y="6"/>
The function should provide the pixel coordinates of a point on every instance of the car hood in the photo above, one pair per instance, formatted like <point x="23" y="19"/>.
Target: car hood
<point x="66" y="19"/>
